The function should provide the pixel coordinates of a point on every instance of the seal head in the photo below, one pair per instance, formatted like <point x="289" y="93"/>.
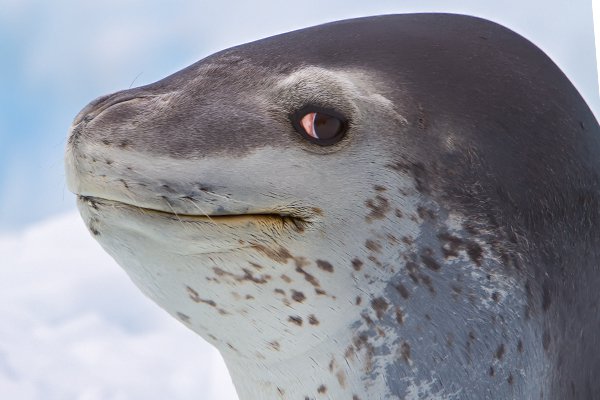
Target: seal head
<point x="389" y="207"/>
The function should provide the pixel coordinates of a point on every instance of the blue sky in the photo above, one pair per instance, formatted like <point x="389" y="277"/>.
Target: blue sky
<point x="74" y="326"/>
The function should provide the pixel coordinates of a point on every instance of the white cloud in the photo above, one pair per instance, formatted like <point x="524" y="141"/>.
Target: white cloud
<point x="74" y="327"/>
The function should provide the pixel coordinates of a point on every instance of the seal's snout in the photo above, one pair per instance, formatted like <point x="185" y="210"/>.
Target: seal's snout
<point x="100" y="128"/>
<point x="102" y="103"/>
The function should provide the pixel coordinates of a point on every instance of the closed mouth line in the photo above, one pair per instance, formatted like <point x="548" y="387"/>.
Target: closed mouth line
<point x="298" y="222"/>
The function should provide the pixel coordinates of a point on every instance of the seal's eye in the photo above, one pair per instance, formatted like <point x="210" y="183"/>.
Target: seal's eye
<point x="324" y="127"/>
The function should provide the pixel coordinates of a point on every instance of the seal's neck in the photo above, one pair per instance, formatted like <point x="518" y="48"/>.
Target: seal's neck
<point x="336" y="369"/>
<point x="445" y="321"/>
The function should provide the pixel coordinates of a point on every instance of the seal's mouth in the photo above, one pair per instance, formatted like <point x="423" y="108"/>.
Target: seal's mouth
<point x="296" y="219"/>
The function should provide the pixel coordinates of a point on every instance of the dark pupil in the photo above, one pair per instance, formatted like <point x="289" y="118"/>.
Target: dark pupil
<point x="327" y="127"/>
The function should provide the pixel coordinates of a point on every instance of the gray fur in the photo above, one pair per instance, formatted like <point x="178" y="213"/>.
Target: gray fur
<point x="467" y="187"/>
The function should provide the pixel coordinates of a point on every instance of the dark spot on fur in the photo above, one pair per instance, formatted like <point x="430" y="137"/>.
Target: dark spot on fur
<point x="378" y="208"/>
<point x="475" y="252"/>
<point x="322" y="389"/>
<point x="399" y="316"/>
<point x="429" y="261"/>
<point x="427" y="282"/>
<point x="391" y="238"/>
<point x="248" y="276"/>
<point x="421" y="118"/>
<point x="313" y="320"/>
<point x="510" y="379"/>
<point x="341" y="378"/>
<point x="471" y="228"/>
<point x="255" y="265"/>
<point x="546" y="340"/>
<point x="232" y="347"/>
<point x="249" y="297"/>
<point x="375" y="261"/>
<point x="298" y="296"/>
<point x="520" y="346"/>
<point x="279" y="291"/>
<point x="492" y="372"/>
<point x="372" y="245"/>
<point x="275" y="345"/>
<point x="425" y="213"/>
<point x="398" y="213"/>
<point x="209" y="302"/>
<point x="419" y="174"/>
<point x="281" y="255"/>
<point x="367" y="319"/>
<point x="296" y="320"/>
<point x="349" y="354"/>
<point x="317" y="211"/>
<point x="405" y="352"/>
<point x="380" y="306"/>
<point x="529" y="305"/>
<point x="379" y="188"/>
<point x="357" y="264"/>
<point x="286" y="279"/>
<point x="500" y="352"/>
<point x="358" y="300"/>
<point x="546" y="299"/>
<point x="124" y="143"/>
<point x="412" y="268"/>
<point x="193" y="294"/>
<point x="496" y="296"/>
<point x="197" y="299"/>
<point x="183" y="318"/>
<point x="450" y="245"/>
<point x="309" y="278"/>
<point x="324" y="265"/>
<point x="124" y="183"/>
<point x="402" y="290"/>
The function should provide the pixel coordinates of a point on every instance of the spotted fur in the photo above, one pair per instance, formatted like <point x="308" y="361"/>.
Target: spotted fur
<point x="445" y="248"/>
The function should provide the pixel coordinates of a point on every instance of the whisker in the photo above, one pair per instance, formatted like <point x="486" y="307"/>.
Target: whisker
<point x="227" y="198"/>
<point x="134" y="79"/>
<point x="174" y="212"/>
<point x="200" y="209"/>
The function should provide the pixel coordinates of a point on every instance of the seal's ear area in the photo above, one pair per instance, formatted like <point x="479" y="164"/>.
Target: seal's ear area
<point x="320" y="125"/>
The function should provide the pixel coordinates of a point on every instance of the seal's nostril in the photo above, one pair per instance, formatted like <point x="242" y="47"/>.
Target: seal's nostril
<point x="100" y="104"/>
<point x="85" y="114"/>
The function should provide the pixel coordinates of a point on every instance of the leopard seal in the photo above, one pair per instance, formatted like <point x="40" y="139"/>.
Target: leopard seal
<point x="391" y="207"/>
